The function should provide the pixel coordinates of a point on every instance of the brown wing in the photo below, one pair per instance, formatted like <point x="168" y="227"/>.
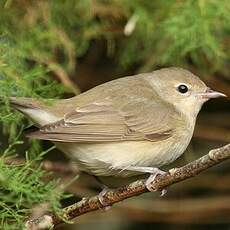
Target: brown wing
<point x="101" y="122"/>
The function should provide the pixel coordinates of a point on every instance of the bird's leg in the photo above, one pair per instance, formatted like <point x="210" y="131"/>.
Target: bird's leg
<point x="101" y="198"/>
<point x="153" y="173"/>
<point x="152" y="177"/>
<point x="104" y="190"/>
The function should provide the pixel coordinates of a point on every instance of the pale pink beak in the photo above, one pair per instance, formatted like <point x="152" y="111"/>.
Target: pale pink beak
<point x="209" y="93"/>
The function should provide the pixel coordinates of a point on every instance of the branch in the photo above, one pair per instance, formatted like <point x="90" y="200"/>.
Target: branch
<point x="138" y="187"/>
<point x="63" y="168"/>
<point x="63" y="77"/>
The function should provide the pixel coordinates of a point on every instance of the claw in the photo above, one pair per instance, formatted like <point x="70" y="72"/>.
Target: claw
<point x="173" y="170"/>
<point x="101" y="199"/>
<point x="152" y="177"/>
<point x="163" y="192"/>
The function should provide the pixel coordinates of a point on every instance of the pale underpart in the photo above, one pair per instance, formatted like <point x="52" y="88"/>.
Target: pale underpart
<point x="114" y="159"/>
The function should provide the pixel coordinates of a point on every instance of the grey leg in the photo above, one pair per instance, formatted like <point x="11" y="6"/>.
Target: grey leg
<point x="151" y="170"/>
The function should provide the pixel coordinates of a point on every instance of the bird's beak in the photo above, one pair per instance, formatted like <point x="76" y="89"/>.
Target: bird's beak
<point x="209" y="93"/>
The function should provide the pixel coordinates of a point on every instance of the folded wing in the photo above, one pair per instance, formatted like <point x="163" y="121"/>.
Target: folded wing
<point x="102" y="121"/>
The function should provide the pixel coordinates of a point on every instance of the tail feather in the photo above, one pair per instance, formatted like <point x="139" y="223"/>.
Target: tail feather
<point x="23" y="103"/>
<point x="39" y="113"/>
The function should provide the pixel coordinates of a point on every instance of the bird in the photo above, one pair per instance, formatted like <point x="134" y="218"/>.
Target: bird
<point x="130" y="126"/>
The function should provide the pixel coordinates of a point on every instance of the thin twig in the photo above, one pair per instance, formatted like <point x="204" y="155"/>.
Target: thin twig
<point x="111" y="197"/>
<point x="62" y="168"/>
<point x="62" y="75"/>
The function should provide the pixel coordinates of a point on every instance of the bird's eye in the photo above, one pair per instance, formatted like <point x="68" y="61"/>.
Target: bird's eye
<point x="182" y="88"/>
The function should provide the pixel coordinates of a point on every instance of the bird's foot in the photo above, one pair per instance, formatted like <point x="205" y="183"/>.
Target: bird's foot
<point x="173" y="171"/>
<point x="106" y="207"/>
<point x="155" y="172"/>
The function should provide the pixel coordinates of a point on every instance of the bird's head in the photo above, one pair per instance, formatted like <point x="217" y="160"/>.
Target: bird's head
<point x="183" y="89"/>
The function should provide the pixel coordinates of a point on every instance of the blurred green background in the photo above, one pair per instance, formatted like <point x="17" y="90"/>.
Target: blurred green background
<point x="59" y="48"/>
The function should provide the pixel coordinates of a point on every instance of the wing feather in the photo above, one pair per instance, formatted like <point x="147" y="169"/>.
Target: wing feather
<point x="102" y="121"/>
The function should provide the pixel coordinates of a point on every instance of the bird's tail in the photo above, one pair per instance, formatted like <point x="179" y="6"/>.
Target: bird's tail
<point x="22" y="103"/>
<point x="37" y="111"/>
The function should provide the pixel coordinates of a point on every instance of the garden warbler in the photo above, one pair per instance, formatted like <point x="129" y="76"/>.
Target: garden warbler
<point x="125" y="127"/>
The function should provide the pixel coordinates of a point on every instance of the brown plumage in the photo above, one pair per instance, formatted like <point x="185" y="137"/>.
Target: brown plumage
<point x="125" y="126"/>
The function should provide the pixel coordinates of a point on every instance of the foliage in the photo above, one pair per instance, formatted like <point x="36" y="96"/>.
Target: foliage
<point x="37" y="37"/>
<point x="22" y="188"/>
<point x="165" y="33"/>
